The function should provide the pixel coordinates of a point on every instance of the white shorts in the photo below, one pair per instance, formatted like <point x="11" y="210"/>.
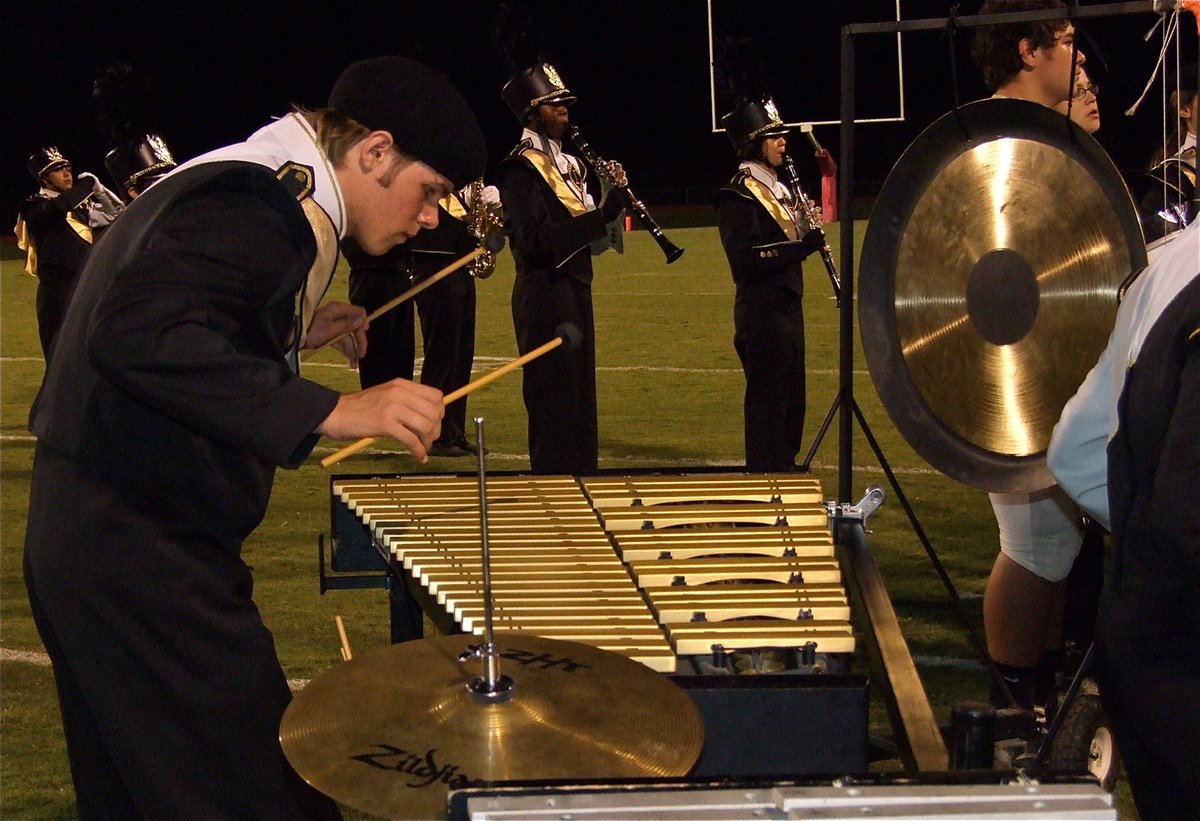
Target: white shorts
<point x="1039" y="531"/>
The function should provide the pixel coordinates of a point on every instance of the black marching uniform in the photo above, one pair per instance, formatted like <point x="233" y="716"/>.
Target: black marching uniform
<point x="758" y="229"/>
<point x="171" y="400"/>
<point x="1149" y="667"/>
<point x="551" y="228"/>
<point x="57" y="234"/>
<point x="159" y="428"/>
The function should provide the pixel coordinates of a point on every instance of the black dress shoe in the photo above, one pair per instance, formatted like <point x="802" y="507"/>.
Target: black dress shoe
<point x="470" y="446"/>
<point x="449" y="449"/>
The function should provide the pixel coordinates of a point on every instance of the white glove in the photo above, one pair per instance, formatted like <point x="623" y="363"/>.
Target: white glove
<point x="491" y="196"/>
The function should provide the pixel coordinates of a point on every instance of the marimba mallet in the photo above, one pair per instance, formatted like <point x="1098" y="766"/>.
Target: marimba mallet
<point x="566" y="335"/>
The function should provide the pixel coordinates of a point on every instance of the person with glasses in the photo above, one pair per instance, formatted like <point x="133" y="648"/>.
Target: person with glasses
<point x="1084" y="105"/>
<point x="1040" y="533"/>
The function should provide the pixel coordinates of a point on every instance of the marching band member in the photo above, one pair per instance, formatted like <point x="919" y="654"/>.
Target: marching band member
<point x="169" y="405"/>
<point x="765" y="242"/>
<point x="446" y="310"/>
<point x="56" y="228"/>
<point x="554" y="224"/>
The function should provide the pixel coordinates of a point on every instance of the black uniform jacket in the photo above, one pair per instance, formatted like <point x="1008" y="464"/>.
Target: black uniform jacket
<point x="547" y="240"/>
<point x="170" y="380"/>
<point x="60" y="249"/>
<point x="745" y="226"/>
<point x="1154" y="481"/>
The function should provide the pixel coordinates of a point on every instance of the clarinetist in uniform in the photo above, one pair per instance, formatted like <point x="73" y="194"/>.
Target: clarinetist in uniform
<point x="766" y="240"/>
<point x="554" y="226"/>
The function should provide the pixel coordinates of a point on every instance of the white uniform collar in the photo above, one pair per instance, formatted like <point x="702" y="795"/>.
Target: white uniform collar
<point x="543" y="143"/>
<point x="288" y="139"/>
<point x="766" y="176"/>
<point x="1188" y="142"/>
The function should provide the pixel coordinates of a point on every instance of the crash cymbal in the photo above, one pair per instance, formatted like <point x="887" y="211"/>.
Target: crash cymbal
<point x="392" y="731"/>
<point x="990" y="271"/>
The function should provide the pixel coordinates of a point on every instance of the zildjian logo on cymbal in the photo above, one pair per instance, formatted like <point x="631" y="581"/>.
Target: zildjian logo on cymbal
<point x="421" y="765"/>
<point x="544" y="660"/>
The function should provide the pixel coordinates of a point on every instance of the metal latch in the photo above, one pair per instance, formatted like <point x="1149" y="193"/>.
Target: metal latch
<point x="859" y="512"/>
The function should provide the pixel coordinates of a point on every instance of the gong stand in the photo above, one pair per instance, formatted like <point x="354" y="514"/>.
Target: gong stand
<point x="861" y="563"/>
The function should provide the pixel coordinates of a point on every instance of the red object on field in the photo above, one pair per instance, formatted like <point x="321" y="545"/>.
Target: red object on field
<point x="829" y="203"/>
<point x="628" y="222"/>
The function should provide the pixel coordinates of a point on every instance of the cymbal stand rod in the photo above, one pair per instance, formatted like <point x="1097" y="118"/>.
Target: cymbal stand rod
<point x="492" y="686"/>
<point x="485" y="548"/>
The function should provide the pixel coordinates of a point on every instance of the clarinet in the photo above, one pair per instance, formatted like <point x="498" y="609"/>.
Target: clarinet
<point x="600" y="169"/>
<point x="812" y="222"/>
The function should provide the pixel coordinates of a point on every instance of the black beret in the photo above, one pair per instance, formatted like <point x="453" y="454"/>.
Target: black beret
<point x="425" y="114"/>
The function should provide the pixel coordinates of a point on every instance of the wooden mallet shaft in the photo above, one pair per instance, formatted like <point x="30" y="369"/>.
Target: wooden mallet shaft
<point x="411" y="292"/>
<point x="454" y="396"/>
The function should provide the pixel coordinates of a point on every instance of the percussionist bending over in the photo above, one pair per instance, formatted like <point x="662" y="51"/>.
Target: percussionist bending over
<point x="163" y="419"/>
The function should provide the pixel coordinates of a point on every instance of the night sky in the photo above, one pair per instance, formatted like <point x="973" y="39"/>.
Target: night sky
<point x="218" y="70"/>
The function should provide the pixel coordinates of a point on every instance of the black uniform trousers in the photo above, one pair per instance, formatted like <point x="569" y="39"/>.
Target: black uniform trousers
<point x="135" y="726"/>
<point x="559" y="388"/>
<point x="391" y="348"/>
<point x="447" y="314"/>
<point x="769" y="339"/>
<point x="53" y="297"/>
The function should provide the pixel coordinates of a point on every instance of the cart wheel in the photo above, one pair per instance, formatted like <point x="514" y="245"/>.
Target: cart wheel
<point x="1085" y="743"/>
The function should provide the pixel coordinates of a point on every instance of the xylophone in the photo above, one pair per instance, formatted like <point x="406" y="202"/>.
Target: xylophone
<point x="687" y="574"/>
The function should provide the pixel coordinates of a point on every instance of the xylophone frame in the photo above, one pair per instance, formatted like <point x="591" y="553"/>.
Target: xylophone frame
<point x="356" y="562"/>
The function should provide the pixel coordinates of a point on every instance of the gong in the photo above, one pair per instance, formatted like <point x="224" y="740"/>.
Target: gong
<point x="989" y="278"/>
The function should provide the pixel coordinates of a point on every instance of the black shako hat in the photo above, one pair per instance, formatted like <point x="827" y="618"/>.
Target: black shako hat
<point x="45" y="160"/>
<point x="138" y="163"/>
<point x="425" y="114"/>
<point x="528" y="89"/>
<point x="751" y="120"/>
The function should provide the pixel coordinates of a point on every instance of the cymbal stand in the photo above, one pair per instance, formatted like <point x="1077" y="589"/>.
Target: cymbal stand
<point x="492" y="687"/>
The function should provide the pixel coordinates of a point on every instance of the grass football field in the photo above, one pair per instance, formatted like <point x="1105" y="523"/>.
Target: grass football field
<point x="670" y="390"/>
